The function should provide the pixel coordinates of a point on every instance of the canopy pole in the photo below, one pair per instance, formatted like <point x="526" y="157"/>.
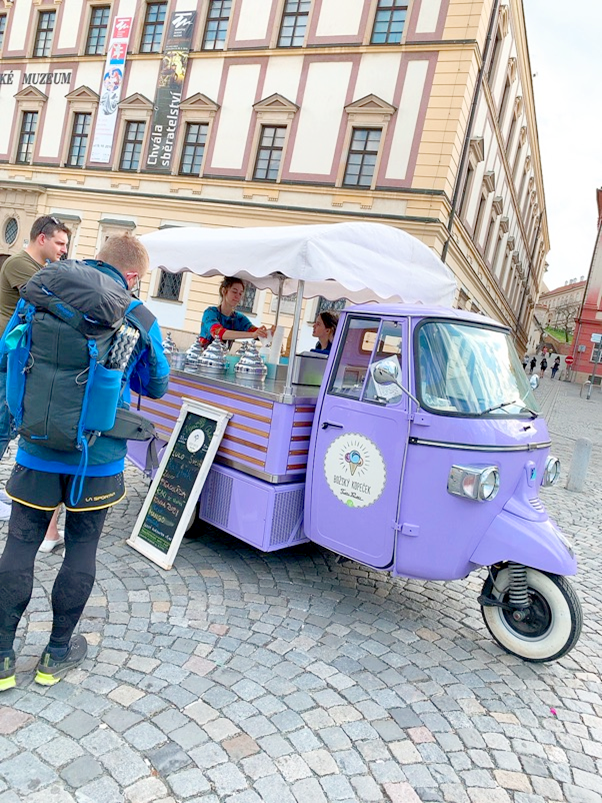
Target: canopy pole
<point x="288" y="389"/>
<point x="281" y="280"/>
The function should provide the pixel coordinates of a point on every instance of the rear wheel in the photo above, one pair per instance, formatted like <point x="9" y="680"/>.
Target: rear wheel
<point x="553" y="621"/>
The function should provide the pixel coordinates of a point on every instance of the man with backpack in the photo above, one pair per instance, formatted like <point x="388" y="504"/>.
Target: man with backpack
<point x="88" y="479"/>
<point x="48" y="242"/>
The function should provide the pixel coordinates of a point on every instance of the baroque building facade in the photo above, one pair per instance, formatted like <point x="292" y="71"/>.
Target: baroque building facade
<point x="563" y="304"/>
<point x="587" y="340"/>
<point x="414" y="113"/>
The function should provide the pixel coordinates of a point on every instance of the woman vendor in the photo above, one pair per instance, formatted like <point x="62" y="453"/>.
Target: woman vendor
<point x="325" y="326"/>
<point x="223" y="322"/>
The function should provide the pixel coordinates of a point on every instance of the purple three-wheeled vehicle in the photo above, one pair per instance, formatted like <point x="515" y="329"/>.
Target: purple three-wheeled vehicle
<point x="416" y="447"/>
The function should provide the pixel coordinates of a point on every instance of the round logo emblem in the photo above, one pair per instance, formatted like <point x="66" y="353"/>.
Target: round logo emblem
<point x="195" y="440"/>
<point x="355" y="470"/>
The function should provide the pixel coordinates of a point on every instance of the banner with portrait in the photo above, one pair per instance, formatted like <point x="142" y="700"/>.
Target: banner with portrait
<point x="110" y="93"/>
<point x="169" y="92"/>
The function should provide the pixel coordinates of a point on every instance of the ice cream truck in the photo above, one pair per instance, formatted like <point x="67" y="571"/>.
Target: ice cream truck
<point x="416" y="447"/>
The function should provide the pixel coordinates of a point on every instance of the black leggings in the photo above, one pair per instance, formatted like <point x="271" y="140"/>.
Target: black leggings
<point x="74" y="581"/>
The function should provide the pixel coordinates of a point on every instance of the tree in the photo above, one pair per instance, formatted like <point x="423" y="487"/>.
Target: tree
<point x="564" y="318"/>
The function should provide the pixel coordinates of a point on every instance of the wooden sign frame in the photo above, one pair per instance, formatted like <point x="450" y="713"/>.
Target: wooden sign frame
<point x="138" y="540"/>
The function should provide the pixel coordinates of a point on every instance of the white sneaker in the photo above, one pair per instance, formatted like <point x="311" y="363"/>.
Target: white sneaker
<point x="4" y="512"/>
<point x="47" y="545"/>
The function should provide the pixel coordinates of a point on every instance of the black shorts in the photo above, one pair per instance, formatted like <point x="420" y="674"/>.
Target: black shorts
<point x="45" y="491"/>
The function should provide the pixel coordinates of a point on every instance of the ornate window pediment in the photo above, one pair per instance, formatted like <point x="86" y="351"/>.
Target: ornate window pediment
<point x="136" y="102"/>
<point x="489" y="180"/>
<point x="370" y="110"/>
<point x="527" y="164"/>
<point x="371" y="104"/>
<point x="522" y="137"/>
<point x="477" y="149"/>
<point x="498" y="204"/>
<point x="510" y="243"/>
<point x="31" y="93"/>
<point x="504" y="21"/>
<point x="515" y="256"/>
<point x="276" y="103"/>
<point x="200" y="103"/>
<point x="82" y="100"/>
<point x="504" y="223"/>
<point x="84" y="94"/>
<point x="512" y="69"/>
<point x="518" y="106"/>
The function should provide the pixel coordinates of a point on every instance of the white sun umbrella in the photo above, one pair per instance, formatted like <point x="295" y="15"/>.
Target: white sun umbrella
<point x="358" y="261"/>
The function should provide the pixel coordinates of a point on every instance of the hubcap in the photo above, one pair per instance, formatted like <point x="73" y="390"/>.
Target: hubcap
<point x="537" y="617"/>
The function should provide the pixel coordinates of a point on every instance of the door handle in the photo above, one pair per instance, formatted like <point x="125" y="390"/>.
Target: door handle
<point x="326" y="424"/>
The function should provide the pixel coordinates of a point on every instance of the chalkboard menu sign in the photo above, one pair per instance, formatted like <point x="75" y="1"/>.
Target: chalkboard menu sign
<point x="175" y="490"/>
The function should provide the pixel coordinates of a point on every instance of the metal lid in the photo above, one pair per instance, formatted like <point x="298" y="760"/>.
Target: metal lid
<point x="250" y="363"/>
<point x="213" y="359"/>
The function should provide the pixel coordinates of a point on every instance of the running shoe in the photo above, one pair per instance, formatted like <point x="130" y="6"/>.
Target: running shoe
<point x="50" y="670"/>
<point x="7" y="672"/>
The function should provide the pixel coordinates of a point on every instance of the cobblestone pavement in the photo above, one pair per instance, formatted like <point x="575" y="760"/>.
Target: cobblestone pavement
<point x="244" y="677"/>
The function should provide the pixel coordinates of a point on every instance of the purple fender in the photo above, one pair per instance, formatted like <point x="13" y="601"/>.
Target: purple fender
<point x="537" y="544"/>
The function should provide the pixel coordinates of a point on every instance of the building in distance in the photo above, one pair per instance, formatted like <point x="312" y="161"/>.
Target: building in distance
<point x="142" y="114"/>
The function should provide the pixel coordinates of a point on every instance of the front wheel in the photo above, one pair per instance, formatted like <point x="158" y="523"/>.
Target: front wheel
<point x="553" y="622"/>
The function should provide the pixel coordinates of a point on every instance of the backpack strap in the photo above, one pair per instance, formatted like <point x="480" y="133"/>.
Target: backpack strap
<point x="80" y="475"/>
<point x="142" y="318"/>
<point x="24" y="312"/>
<point x="18" y="354"/>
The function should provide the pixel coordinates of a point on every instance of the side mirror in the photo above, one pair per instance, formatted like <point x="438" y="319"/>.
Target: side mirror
<point x="386" y="372"/>
<point x="534" y="382"/>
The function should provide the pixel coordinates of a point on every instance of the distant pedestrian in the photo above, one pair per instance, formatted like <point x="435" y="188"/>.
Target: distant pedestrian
<point x="525" y="362"/>
<point x="555" y="367"/>
<point x="48" y="241"/>
<point x="532" y="364"/>
<point x="543" y="365"/>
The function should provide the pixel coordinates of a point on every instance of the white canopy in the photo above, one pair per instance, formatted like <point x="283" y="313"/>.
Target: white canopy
<point x="358" y="261"/>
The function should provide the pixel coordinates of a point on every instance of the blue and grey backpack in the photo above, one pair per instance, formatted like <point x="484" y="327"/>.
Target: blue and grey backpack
<point x="60" y="390"/>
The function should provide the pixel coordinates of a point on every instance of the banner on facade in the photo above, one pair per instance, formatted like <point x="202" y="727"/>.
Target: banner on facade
<point x="110" y="93"/>
<point x="169" y="92"/>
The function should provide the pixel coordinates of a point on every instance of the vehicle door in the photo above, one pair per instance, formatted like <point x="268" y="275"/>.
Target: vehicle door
<point x="359" y="444"/>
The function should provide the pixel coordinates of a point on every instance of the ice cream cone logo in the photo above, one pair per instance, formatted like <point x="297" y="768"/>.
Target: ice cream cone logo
<point x="355" y="470"/>
<point x="355" y="460"/>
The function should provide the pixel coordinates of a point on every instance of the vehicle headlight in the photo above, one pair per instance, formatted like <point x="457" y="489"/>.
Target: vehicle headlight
<point x="474" y="482"/>
<point x="551" y="472"/>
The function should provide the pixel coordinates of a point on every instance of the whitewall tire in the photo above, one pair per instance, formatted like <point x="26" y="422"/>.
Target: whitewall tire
<point x="552" y="626"/>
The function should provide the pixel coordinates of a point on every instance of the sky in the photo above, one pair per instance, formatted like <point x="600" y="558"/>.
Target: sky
<point x="566" y="60"/>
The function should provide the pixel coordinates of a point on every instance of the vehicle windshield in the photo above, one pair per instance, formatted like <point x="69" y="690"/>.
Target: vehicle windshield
<point x="470" y="370"/>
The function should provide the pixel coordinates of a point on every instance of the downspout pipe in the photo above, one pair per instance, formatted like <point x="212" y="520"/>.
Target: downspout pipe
<point x="471" y="119"/>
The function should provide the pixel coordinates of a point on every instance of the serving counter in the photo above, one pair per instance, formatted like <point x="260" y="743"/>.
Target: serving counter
<point x="255" y="489"/>
<point x="268" y="434"/>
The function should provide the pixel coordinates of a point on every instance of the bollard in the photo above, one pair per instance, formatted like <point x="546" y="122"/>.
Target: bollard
<point x="579" y="463"/>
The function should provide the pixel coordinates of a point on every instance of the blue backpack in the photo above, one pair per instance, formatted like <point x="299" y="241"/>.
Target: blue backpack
<point x="59" y="389"/>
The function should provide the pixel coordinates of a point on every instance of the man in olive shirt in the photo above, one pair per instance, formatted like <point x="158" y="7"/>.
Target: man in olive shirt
<point x="48" y="241"/>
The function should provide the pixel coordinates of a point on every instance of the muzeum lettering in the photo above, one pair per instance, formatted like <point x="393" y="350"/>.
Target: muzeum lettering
<point x="38" y="78"/>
